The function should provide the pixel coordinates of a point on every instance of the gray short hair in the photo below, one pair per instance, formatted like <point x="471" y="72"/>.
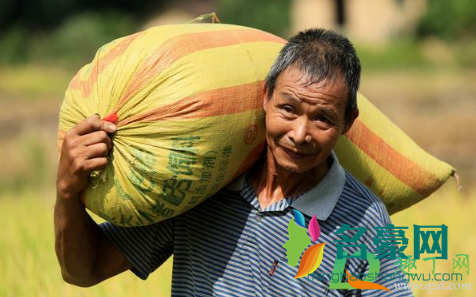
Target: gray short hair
<point x="322" y="55"/>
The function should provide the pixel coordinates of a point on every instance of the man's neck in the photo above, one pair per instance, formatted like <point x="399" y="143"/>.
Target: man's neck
<point x="273" y="183"/>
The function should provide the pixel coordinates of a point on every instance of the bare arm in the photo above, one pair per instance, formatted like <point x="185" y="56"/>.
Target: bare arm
<point x="84" y="253"/>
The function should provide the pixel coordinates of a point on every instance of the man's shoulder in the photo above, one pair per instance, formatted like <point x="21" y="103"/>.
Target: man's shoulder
<point x="358" y="199"/>
<point x="353" y="185"/>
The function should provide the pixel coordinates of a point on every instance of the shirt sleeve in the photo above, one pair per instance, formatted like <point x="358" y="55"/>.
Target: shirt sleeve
<point x="146" y="247"/>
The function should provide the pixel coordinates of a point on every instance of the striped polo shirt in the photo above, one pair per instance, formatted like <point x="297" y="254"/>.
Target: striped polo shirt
<point x="229" y="246"/>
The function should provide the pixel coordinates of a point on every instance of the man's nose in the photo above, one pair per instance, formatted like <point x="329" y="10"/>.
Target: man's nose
<point x="300" y="131"/>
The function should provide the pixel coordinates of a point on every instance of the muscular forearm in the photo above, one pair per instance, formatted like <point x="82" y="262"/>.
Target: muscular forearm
<point x="85" y="256"/>
<point x="77" y="238"/>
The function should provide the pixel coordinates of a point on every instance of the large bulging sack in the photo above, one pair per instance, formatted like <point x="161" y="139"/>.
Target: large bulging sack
<point x="189" y="104"/>
<point x="388" y="161"/>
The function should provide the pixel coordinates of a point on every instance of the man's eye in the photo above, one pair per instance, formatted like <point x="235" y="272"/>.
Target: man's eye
<point x="287" y="108"/>
<point x="322" y="119"/>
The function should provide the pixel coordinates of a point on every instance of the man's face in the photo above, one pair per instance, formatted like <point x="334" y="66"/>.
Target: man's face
<point x="303" y="122"/>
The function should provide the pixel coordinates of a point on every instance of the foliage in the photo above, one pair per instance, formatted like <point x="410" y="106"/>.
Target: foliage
<point x="270" y="16"/>
<point x="71" y="44"/>
<point x="451" y="20"/>
<point x="72" y="39"/>
<point x="12" y="45"/>
<point x="77" y="40"/>
<point x="44" y="15"/>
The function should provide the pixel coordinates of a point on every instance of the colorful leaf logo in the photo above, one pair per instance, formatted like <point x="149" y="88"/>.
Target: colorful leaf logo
<point x="299" y="218"/>
<point x="312" y="257"/>
<point x="311" y="260"/>
<point x="314" y="229"/>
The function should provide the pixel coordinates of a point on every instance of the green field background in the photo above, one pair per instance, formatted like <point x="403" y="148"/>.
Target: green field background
<point x="422" y="77"/>
<point x="435" y="107"/>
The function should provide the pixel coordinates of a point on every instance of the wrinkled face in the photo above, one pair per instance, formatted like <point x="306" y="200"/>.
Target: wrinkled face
<point x="303" y="122"/>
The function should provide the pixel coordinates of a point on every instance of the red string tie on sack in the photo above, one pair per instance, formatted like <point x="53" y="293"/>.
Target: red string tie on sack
<point x="112" y="118"/>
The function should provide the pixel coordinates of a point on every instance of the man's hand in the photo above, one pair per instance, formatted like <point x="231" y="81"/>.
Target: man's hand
<point x="85" y="148"/>
<point x="84" y="253"/>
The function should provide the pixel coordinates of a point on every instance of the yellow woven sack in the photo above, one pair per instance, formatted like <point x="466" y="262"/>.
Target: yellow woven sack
<point x="189" y="105"/>
<point x="388" y="161"/>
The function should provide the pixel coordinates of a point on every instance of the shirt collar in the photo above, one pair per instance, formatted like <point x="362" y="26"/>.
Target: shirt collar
<point x="321" y="199"/>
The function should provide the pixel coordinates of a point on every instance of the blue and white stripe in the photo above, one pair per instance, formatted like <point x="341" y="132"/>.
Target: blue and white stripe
<point x="227" y="245"/>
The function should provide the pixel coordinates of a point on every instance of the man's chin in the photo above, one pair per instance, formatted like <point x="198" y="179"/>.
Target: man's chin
<point x="293" y="168"/>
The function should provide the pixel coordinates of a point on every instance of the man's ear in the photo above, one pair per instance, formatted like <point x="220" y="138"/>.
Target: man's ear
<point x="350" y="121"/>
<point x="265" y="99"/>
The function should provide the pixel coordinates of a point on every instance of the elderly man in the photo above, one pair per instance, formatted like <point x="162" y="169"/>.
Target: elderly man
<point x="232" y="244"/>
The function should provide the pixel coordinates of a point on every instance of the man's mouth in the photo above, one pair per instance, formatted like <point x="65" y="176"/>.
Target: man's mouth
<point x="293" y="153"/>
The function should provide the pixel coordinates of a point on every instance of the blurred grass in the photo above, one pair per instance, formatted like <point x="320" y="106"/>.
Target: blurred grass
<point x="29" y="266"/>
<point x="32" y="82"/>
<point x="409" y="54"/>
<point x="456" y="210"/>
<point x="28" y="262"/>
